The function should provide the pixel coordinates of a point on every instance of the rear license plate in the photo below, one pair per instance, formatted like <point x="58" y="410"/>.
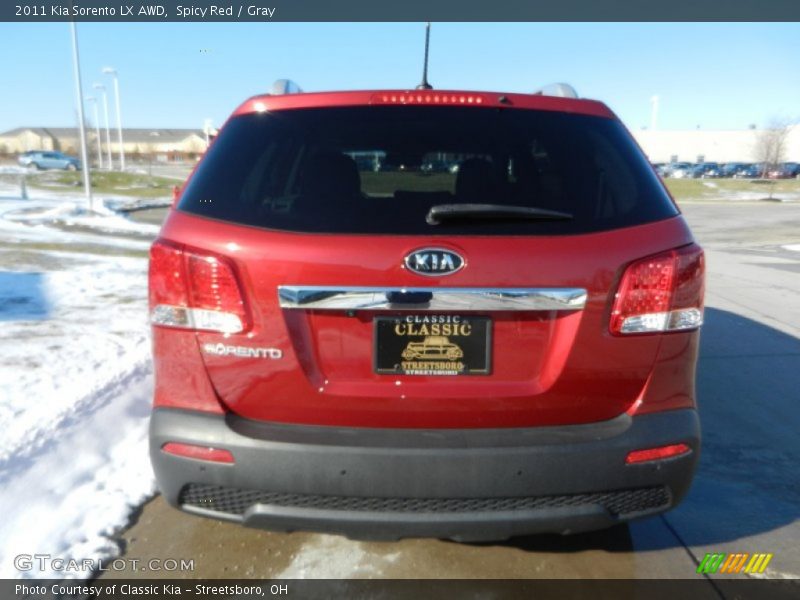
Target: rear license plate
<point x="432" y="345"/>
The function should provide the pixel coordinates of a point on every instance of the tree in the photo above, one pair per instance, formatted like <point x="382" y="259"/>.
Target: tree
<point x="770" y="146"/>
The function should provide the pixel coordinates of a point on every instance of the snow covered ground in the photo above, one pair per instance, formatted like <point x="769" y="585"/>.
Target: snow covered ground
<point x="715" y="192"/>
<point x="75" y="378"/>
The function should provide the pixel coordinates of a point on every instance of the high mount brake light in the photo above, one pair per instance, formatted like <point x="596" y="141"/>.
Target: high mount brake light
<point x="190" y="289"/>
<point x="428" y="97"/>
<point x="661" y="293"/>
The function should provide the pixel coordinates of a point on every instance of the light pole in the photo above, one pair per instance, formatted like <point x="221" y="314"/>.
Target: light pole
<point x="654" y="113"/>
<point x="76" y="67"/>
<point x="102" y="88"/>
<point x="208" y="125"/>
<point x="93" y="100"/>
<point x="113" y="72"/>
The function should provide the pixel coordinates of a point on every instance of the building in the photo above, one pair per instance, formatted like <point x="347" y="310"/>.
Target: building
<point x="147" y="144"/>
<point x="700" y="145"/>
<point x="661" y="146"/>
<point x="23" y="139"/>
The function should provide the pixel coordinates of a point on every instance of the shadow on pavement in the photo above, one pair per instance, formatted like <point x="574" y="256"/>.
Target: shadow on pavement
<point x="23" y="297"/>
<point x="748" y="389"/>
<point x="616" y="539"/>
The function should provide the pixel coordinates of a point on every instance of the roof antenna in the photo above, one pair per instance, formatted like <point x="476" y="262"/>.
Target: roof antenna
<point x="425" y="85"/>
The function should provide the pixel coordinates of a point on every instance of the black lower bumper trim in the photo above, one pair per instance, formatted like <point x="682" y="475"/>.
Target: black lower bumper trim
<point x="237" y="501"/>
<point x="459" y="484"/>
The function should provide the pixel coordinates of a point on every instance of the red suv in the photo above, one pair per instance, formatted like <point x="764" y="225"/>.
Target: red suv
<point x="467" y="315"/>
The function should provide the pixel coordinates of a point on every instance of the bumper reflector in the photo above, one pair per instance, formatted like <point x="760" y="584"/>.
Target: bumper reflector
<point x="662" y="452"/>
<point x="198" y="452"/>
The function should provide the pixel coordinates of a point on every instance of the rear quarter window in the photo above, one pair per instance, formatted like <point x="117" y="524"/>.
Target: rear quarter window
<point x="380" y="169"/>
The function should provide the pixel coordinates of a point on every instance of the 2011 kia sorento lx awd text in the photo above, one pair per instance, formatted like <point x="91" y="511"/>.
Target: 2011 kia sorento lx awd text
<point x="467" y="315"/>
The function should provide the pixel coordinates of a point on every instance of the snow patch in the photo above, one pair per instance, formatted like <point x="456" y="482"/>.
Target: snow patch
<point x="13" y="169"/>
<point x="80" y="324"/>
<point x="331" y="557"/>
<point x="35" y="221"/>
<point x="75" y="381"/>
<point x="68" y="495"/>
<point x="792" y="247"/>
<point x="773" y="574"/>
<point x="101" y="220"/>
<point x="758" y="196"/>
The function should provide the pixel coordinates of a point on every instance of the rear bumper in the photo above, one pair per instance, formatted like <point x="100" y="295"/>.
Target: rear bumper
<point x="460" y="484"/>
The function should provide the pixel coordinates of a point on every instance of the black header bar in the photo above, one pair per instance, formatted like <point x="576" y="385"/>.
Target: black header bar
<point x="198" y="11"/>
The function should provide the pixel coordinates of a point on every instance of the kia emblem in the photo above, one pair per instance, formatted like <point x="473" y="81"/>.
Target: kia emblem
<point x="434" y="261"/>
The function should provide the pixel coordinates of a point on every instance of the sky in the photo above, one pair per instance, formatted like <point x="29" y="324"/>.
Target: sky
<point x="712" y="76"/>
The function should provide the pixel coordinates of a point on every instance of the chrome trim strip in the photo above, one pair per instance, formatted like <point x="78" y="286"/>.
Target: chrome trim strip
<point x="430" y="298"/>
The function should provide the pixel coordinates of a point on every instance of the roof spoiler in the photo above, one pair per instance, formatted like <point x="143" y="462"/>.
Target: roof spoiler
<point x="562" y="90"/>
<point x="284" y="86"/>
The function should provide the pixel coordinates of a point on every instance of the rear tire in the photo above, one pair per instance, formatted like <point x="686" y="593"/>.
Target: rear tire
<point x="71" y="167"/>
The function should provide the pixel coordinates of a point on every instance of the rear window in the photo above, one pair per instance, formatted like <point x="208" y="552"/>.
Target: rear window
<point x="380" y="170"/>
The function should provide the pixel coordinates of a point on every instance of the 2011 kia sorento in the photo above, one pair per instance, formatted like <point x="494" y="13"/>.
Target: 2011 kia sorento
<point x="468" y="315"/>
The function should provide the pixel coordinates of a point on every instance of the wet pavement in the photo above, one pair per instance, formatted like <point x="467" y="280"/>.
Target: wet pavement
<point x="745" y="498"/>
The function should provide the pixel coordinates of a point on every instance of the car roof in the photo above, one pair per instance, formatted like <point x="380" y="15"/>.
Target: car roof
<point x="268" y="102"/>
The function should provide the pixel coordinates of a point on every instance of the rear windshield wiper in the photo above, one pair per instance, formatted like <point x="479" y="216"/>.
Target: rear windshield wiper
<point x="450" y="212"/>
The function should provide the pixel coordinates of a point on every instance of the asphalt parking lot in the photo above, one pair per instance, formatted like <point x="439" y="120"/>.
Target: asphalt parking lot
<point x="745" y="498"/>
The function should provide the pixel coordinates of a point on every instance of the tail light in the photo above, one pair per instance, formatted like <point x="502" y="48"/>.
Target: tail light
<point x="192" y="289"/>
<point x="660" y="293"/>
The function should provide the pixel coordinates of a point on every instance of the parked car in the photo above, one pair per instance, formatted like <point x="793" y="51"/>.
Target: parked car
<point x="749" y="172"/>
<point x="704" y="171"/>
<point x="680" y="170"/>
<point x="730" y="169"/>
<point x="386" y="355"/>
<point x="789" y="170"/>
<point x="49" y="160"/>
<point x="663" y="169"/>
